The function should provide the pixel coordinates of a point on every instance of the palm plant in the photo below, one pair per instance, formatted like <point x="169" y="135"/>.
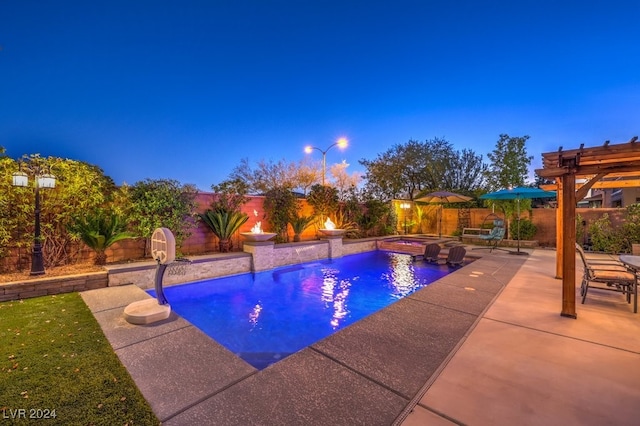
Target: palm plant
<point x="99" y="230"/>
<point x="224" y="224"/>
<point x="299" y="224"/>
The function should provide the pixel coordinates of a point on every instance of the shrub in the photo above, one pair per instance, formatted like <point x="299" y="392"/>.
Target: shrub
<point x="527" y="230"/>
<point x="604" y="237"/>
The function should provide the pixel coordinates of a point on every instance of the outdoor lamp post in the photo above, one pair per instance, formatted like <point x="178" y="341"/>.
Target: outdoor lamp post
<point x="41" y="180"/>
<point x="405" y="207"/>
<point x="341" y="143"/>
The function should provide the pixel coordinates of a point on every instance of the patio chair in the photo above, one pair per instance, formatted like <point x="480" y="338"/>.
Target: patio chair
<point x="456" y="256"/>
<point x="431" y="252"/>
<point x="610" y="277"/>
<point x="494" y="237"/>
<point x="597" y="260"/>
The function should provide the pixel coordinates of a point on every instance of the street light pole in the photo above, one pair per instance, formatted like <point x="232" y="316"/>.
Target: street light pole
<point x="40" y="181"/>
<point x="341" y="143"/>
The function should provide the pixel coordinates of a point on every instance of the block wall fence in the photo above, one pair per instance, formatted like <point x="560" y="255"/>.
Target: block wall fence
<point x="202" y="240"/>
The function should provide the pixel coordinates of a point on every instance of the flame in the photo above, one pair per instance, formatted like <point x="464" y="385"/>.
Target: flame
<point x="257" y="228"/>
<point x="329" y="224"/>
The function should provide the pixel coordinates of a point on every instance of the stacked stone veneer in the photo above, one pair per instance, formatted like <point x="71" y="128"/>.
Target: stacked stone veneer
<point x="54" y="285"/>
<point x="257" y="257"/>
<point x="267" y="255"/>
<point x="201" y="268"/>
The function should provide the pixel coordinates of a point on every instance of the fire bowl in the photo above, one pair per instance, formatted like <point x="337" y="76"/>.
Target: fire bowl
<point x="251" y="236"/>
<point x="332" y="232"/>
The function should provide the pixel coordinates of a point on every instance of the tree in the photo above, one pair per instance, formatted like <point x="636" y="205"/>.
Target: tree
<point x="509" y="168"/>
<point x="397" y="173"/>
<point x="267" y="175"/>
<point x="324" y="200"/>
<point x="270" y="175"/>
<point x="80" y="187"/>
<point x="6" y="223"/>
<point x="407" y="170"/>
<point x="163" y="203"/>
<point x="281" y="207"/>
<point x="230" y="194"/>
<point x="342" y="180"/>
<point x="509" y="163"/>
<point x="465" y="172"/>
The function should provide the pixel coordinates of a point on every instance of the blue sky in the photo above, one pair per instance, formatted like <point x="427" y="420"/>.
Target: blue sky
<point x="185" y="89"/>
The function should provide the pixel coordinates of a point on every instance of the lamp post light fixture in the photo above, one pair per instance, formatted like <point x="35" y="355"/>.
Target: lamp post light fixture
<point x="341" y="143"/>
<point x="405" y="207"/>
<point x="41" y="180"/>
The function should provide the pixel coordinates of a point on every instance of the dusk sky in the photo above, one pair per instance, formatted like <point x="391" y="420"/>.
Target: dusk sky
<point x="185" y="89"/>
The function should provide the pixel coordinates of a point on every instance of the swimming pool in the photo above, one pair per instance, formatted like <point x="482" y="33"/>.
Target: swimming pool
<point x="264" y="317"/>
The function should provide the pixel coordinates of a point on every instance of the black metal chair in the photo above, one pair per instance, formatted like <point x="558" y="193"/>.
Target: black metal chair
<point x="608" y="276"/>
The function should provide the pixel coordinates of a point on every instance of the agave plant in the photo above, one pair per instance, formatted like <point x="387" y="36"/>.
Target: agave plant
<point x="299" y="224"/>
<point x="224" y="224"/>
<point x="99" y="230"/>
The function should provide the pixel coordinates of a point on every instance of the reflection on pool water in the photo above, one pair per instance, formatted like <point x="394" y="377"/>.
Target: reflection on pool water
<point x="265" y="316"/>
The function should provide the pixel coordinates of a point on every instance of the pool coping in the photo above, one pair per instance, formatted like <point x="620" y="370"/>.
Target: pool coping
<point x="372" y="372"/>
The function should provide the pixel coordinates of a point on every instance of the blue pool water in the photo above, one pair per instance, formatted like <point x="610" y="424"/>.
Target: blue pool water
<point x="263" y="317"/>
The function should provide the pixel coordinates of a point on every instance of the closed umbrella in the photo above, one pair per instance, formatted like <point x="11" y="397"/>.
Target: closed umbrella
<point x="442" y="197"/>
<point x="519" y="193"/>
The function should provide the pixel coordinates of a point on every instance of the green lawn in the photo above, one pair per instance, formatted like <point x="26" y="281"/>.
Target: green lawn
<point x="55" y="361"/>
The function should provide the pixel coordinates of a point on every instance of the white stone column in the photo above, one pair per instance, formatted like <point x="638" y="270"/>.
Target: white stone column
<point x="262" y="254"/>
<point x="335" y="246"/>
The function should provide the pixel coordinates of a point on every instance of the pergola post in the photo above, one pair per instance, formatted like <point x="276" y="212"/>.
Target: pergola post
<point x="559" y="228"/>
<point x="568" y="242"/>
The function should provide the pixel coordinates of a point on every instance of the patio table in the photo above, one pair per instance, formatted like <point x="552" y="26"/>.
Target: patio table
<point x="633" y="264"/>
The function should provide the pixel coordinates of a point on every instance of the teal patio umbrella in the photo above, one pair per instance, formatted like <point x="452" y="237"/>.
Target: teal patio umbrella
<point x="519" y="193"/>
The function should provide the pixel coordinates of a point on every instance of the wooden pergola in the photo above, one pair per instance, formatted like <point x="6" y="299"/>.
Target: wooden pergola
<point x="621" y="161"/>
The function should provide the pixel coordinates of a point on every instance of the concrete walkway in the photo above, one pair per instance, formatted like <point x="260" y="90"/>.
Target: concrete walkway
<point x="525" y="364"/>
<point x="484" y="345"/>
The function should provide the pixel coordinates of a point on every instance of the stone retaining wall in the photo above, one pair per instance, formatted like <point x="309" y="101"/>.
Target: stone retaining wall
<point x="142" y="274"/>
<point x="204" y="267"/>
<point x="54" y="285"/>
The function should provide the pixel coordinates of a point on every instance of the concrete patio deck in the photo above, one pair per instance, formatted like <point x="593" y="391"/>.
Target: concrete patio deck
<point x="484" y="345"/>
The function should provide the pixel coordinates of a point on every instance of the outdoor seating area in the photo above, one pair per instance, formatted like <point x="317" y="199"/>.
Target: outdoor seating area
<point x="493" y="238"/>
<point x="609" y="275"/>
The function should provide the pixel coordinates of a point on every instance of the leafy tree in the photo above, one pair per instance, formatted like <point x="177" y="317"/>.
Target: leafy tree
<point x="465" y="172"/>
<point x="163" y="203"/>
<point x="509" y="168"/>
<point x="281" y="207"/>
<point x="407" y="170"/>
<point x="267" y="175"/>
<point x="307" y="176"/>
<point x="80" y="187"/>
<point x="397" y="173"/>
<point x="324" y="200"/>
<point x="344" y="182"/>
<point x="231" y="195"/>
<point x="509" y="163"/>
<point x="99" y="230"/>
<point x="378" y="218"/>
